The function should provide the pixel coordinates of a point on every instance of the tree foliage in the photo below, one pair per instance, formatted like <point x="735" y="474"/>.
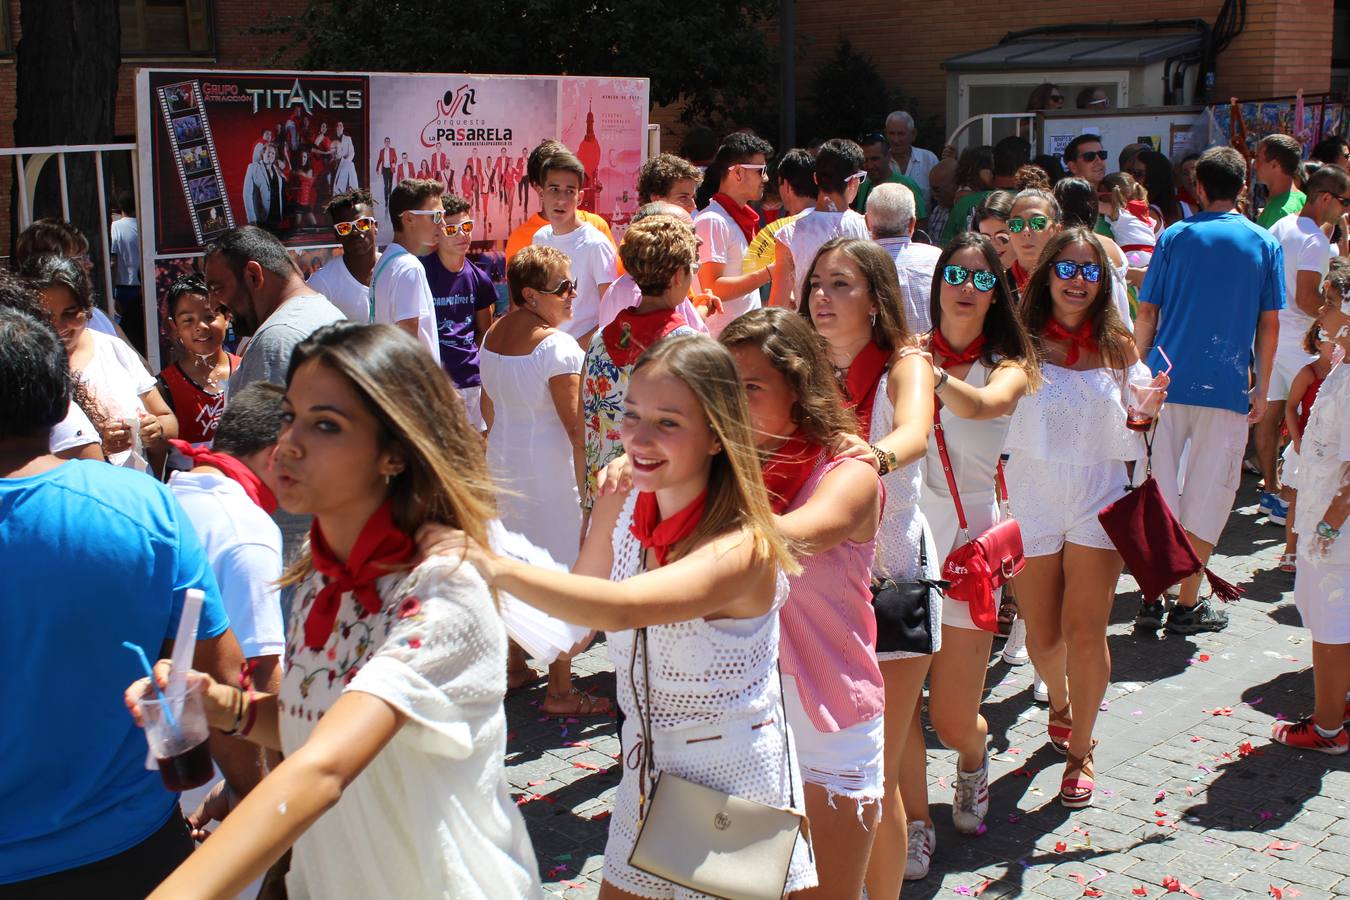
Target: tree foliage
<point x="711" y="54"/>
<point x="849" y="98"/>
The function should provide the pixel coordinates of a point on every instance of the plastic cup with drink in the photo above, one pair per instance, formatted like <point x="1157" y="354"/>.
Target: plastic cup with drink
<point x="1146" y="394"/>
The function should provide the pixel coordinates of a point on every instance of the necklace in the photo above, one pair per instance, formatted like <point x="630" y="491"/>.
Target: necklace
<point x="206" y="369"/>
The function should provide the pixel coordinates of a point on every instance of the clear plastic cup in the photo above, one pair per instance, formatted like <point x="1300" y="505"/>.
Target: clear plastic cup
<point x="181" y="752"/>
<point x="1144" y="401"/>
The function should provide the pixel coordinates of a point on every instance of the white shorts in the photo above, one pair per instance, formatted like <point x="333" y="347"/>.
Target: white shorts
<point x="1289" y="360"/>
<point x="982" y="513"/>
<point x="846" y="763"/>
<point x="1199" y="485"/>
<point x="473" y="406"/>
<point x="1322" y="594"/>
<point x="1057" y="503"/>
<point x="1289" y="471"/>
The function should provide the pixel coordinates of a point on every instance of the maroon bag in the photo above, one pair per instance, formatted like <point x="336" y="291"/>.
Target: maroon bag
<point x="978" y="567"/>
<point x="1152" y="542"/>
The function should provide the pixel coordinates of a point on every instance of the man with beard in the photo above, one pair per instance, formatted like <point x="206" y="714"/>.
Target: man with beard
<point x="250" y="272"/>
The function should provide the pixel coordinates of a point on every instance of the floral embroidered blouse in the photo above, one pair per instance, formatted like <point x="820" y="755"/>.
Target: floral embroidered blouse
<point x="431" y="815"/>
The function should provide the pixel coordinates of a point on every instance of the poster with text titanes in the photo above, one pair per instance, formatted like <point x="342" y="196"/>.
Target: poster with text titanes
<point x="604" y="122"/>
<point x="267" y="149"/>
<point x="472" y="133"/>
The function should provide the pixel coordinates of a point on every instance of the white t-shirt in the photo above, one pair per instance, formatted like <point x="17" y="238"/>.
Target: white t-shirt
<point x="624" y="293"/>
<point x="401" y="293"/>
<point x="75" y="430"/>
<point x="117" y="378"/>
<point x="243" y="546"/>
<point x="1306" y="249"/>
<point x="593" y="264"/>
<point x="336" y="282"/>
<point x="921" y="162"/>
<point x="125" y="236"/>
<point x="807" y="233"/>
<point x="725" y="243"/>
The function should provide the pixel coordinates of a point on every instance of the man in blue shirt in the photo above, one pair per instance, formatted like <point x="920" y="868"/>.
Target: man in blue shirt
<point x="90" y="555"/>
<point x="1216" y="283"/>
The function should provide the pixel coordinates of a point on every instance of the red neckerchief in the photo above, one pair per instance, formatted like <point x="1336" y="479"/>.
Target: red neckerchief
<point x="661" y="536"/>
<point x="1141" y="211"/>
<point x="632" y="332"/>
<point x="1079" y="339"/>
<point x="235" y="470"/>
<point x="1188" y="198"/>
<point x="864" y="375"/>
<point x="1020" y="275"/>
<point x="380" y="549"/>
<point x="788" y="469"/>
<point x="950" y="358"/>
<point x="745" y="217"/>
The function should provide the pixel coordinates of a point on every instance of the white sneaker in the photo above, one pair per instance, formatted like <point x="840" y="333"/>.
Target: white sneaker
<point x="1015" y="650"/>
<point x="1038" y="691"/>
<point x="970" y="803"/>
<point x="922" y="841"/>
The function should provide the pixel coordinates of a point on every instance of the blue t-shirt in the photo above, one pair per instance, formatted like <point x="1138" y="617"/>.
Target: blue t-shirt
<point x="1211" y="277"/>
<point x="459" y="296"/>
<point x="90" y="555"/>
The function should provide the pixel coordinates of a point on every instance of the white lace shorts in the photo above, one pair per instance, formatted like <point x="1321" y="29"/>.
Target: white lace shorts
<point x="1322" y="595"/>
<point x="846" y="763"/>
<point x="1057" y="503"/>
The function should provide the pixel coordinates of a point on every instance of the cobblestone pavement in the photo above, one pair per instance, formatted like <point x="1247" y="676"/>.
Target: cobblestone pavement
<point x="1189" y="787"/>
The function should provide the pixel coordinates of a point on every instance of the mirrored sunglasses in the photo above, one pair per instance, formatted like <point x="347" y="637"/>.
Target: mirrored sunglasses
<point x="1065" y="270"/>
<point x="1017" y="224"/>
<point x="453" y="229"/>
<point x="983" y="279"/>
<point x="363" y="224"/>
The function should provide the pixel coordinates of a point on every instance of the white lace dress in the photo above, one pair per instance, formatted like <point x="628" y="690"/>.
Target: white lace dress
<point x="712" y="683"/>
<point x="903" y="526"/>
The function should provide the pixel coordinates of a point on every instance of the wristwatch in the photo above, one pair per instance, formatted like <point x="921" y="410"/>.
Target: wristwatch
<point x="1324" y="531"/>
<point x="941" y="382"/>
<point x="887" y="461"/>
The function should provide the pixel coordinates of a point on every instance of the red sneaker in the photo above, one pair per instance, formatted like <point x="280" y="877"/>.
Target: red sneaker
<point x="1303" y="736"/>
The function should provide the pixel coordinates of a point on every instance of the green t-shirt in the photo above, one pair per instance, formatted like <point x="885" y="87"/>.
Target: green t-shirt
<point x="1281" y="205"/>
<point x="920" y="211"/>
<point x="959" y="220"/>
<point x="1103" y="227"/>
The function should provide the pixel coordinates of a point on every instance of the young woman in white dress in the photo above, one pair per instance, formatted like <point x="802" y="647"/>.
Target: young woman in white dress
<point x="390" y="711"/>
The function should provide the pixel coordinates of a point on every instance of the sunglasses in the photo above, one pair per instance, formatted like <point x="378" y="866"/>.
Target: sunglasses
<point x="466" y="227"/>
<point x="1017" y="224"/>
<point x="983" y="279"/>
<point x="437" y="215"/>
<point x="1090" y="155"/>
<point x="363" y="224"/>
<point x="1056" y="98"/>
<point x="1065" y="270"/>
<point x="856" y="176"/>
<point x="564" y="287"/>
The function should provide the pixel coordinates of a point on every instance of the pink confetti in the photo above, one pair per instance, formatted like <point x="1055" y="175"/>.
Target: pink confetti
<point x="1013" y="818"/>
<point x="1137" y="712"/>
<point x="587" y="766"/>
<point x="1159" y="796"/>
<point x="942" y="783"/>
<point x="982" y="829"/>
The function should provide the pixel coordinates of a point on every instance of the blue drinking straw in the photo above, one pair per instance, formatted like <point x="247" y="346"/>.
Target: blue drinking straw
<point x="149" y="671"/>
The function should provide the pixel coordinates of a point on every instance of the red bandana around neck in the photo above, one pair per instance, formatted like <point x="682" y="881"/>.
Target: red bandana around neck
<point x="662" y="535"/>
<point x="951" y="358"/>
<point x="234" y="469"/>
<point x="788" y="468"/>
<point x="1020" y="275"/>
<point x="632" y="332"/>
<point x="745" y="217"/>
<point x="1141" y="211"/>
<point x="1079" y="339"/>
<point x="380" y="549"/>
<point x="864" y="375"/>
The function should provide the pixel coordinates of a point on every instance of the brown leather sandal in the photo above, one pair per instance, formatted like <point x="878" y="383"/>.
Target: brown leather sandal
<point x="1060" y="728"/>
<point x="1075" y="789"/>
<point x="585" y="705"/>
<point x="1007" y="610"/>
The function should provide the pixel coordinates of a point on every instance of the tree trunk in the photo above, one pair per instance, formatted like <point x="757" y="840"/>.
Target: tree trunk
<point x="66" y="73"/>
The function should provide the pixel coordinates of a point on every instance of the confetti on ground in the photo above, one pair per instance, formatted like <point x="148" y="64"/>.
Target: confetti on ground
<point x="1245" y="749"/>
<point x="587" y="766"/>
<point x="1060" y="846"/>
<point x="1092" y="892"/>
<point x="1203" y="657"/>
<point x="1219" y="711"/>
<point x="1013" y="818"/>
<point x="1159" y="796"/>
<point x="1139" y="891"/>
<point x="1282" y="846"/>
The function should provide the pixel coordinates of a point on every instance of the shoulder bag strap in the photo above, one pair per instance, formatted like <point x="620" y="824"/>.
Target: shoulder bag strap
<point x="947" y="469"/>
<point x="379" y="268"/>
<point x="644" y="746"/>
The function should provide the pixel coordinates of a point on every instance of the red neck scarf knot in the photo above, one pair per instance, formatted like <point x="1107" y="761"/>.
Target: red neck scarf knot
<point x="380" y="549"/>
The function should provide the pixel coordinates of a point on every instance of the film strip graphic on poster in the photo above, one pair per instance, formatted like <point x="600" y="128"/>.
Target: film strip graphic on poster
<point x="194" y="156"/>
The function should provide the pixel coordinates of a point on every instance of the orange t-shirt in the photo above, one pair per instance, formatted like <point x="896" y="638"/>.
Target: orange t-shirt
<point x="523" y="236"/>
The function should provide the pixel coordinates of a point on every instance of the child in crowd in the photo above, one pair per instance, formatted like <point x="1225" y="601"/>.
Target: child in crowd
<point x="1304" y="389"/>
<point x="194" y="385"/>
<point x="1124" y="203"/>
<point x="1322" y="586"/>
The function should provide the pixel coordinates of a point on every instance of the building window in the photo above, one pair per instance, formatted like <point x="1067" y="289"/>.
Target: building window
<point x="166" y="27"/>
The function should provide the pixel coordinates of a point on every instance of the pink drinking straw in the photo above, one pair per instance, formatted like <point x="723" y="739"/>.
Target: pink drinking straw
<point x="1163" y="354"/>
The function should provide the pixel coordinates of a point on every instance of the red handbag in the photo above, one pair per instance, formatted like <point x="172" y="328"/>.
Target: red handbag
<point x="1154" y="546"/>
<point x="978" y="568"/>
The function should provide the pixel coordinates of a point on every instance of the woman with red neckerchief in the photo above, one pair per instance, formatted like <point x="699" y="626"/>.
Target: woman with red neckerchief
<point x="984" y="363"/>
<point x="1069" y="447"/>
<point x="853" y="301"/>
<point x="1034" y="219"/>
<point x="830" y="506"/>
<point x="391" y="700"/>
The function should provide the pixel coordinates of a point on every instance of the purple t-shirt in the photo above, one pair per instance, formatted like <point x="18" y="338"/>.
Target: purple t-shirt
<point x="458" y="297"/>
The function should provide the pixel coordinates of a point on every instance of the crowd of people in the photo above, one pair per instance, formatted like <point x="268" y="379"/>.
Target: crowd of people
<point x="753" y="441"/>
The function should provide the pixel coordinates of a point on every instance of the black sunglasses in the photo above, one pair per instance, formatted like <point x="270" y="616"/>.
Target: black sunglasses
<point x="564" y="287"/>
<point x="1090" y="155"/>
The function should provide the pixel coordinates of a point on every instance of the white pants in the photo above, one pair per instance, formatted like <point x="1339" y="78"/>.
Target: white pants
<point x="473" y="406"/>
<point x="1197" y="459"/>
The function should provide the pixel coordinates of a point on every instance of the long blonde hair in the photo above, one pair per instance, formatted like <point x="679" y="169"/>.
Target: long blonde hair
<point x="736" y="496"/>
<point x="445" y="479"/>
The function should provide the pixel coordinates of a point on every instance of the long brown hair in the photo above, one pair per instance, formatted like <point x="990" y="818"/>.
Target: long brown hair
<point x="798" y="352"/>
<point x="736" y="496"/>
<point x="890" y="330"/>
<point x="445" y="479"/>
<point x="1108" y="330"/>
